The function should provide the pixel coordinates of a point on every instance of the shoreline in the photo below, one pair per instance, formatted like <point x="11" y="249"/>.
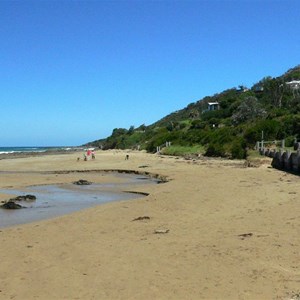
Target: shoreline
<point x="25" y="154"/>
<point x="215" y="230"/>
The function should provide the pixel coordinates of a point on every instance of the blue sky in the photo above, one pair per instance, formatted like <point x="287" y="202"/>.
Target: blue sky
<point x="72" y="71"/>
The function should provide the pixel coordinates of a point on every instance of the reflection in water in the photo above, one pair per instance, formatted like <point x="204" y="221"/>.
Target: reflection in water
<point x="56" y="200"/>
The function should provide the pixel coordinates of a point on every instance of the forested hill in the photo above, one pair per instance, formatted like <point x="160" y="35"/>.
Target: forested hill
<point x="225" y="124"/>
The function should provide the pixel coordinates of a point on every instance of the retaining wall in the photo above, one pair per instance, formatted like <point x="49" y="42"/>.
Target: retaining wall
<point x="283" y="160"/>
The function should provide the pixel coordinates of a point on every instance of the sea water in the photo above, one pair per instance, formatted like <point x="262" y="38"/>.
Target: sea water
<point x="12" y="150"/>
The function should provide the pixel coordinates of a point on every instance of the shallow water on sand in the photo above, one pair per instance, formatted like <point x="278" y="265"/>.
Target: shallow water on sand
<point x="57" y="200"/>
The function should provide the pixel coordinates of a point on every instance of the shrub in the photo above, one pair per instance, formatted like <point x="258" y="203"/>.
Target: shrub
<point x="215" y="150"/>
<point x="183" y="150"/>
<point x="198" y="124"/>
<point x="272" y="130"/>
<point x="238" y="149"/>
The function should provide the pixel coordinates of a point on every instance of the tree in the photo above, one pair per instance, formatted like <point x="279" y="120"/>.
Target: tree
<point x="249" y="109"/>
<point x="119" y="131"/>
<point x="275" y="91"/>
<point x="194" y="114"/>
<point x="131" y="129"/>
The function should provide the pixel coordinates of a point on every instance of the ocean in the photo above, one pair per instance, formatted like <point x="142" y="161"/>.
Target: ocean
<point x="11" y="150"/>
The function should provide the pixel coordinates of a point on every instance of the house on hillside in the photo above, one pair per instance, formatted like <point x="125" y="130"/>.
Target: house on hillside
<point x="258" y="89"/>
<point x="242" y="89"/>
<point x="213" y="106"/>
<point x="294" y="84"/>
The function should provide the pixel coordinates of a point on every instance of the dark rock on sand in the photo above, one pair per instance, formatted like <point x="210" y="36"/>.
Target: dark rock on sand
<point x="82" y="182"/>
<point x="11" y="205"/>
<point x="24" y="198"/>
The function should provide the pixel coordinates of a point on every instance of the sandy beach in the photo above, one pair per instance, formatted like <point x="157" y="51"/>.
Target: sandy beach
<point x="216" y="230"/>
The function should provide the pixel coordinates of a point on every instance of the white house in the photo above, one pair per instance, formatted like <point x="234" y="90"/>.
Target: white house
<point x="212" y="106"/>
<point x="294" y="84"/>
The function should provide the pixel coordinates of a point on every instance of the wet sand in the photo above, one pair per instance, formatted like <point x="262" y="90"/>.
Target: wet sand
<point x="216" y="230"/>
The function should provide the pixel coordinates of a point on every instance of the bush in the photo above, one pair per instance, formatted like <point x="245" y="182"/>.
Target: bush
<point x="272" y="130"/>
<point x="183" y="150"/>
<point x="215" y="150"/>
<point x="238" y="149"/>
<point x="198" y="124"/>
<point x="289" y="141"/>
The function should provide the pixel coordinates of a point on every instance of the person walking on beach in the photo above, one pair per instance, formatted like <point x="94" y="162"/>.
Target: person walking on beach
<point x="88" y="153"/>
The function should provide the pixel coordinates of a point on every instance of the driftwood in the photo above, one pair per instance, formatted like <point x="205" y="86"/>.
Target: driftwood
<point x="161" y="231"/>
<point x="141" y="218"/>
<point x="245" y="235"/>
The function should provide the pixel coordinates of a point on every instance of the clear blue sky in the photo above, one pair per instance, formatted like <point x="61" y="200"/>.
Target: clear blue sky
<point x="72" y="71"/>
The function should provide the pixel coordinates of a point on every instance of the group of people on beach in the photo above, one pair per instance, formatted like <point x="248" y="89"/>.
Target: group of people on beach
<point x="88" y="155"/>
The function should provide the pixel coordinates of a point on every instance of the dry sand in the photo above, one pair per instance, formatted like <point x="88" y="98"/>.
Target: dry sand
<point x="232" y="233"/>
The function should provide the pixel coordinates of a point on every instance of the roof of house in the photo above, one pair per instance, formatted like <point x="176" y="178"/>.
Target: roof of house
<point x="293" y="82"/>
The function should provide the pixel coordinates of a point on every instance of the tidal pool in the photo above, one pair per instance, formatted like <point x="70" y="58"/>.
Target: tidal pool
<point x="61" y="199"/>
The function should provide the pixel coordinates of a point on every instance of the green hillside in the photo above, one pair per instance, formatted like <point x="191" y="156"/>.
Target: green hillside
<point x="241" y="114"/>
